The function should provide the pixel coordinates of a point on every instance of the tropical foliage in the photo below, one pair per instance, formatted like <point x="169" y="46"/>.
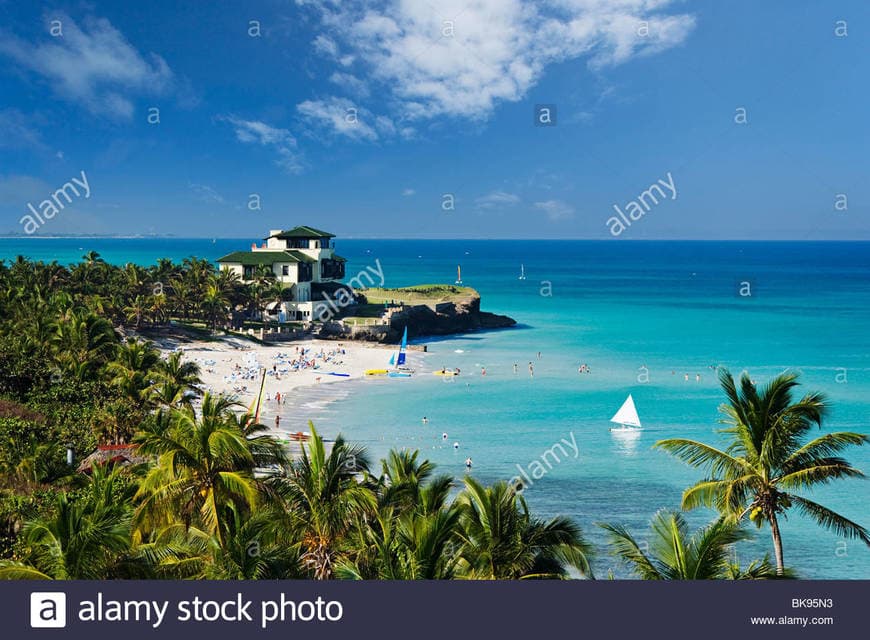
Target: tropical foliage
<point x="768" y="462"/>
<point x="215" y="496"/>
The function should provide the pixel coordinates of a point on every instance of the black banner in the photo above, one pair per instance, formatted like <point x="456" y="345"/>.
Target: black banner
<point x="282" y="609"/>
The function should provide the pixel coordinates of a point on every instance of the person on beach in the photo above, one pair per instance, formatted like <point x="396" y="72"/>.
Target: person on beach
<point x="277" y="421"/>
<point x="278" y="397"/>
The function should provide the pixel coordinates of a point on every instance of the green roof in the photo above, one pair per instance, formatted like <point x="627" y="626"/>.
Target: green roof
<point x="250" y="258"/>
<point x="303" y="232"/>
<point x="339" y="258"/>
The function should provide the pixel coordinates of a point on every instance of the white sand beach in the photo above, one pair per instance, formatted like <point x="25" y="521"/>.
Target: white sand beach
<point x="234" y="367"/>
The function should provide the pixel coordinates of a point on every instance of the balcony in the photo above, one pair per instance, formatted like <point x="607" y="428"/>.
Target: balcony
<point x="332" y="269"/>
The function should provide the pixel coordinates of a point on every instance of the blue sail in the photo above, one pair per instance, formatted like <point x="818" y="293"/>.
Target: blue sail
<point x="401" y="360"/>
<point x="393" y="359"/>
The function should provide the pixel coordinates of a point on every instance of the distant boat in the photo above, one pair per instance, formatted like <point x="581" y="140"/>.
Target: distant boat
<point x="627" y="418"/>
<point x="522" y="272"/>
<point x="458" y="274"/>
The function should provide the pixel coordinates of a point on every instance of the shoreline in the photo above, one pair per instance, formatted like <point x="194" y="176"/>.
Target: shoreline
<point x="234" y="367"/>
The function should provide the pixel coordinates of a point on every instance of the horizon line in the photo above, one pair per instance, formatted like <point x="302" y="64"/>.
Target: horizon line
<point x="433" y="239"/>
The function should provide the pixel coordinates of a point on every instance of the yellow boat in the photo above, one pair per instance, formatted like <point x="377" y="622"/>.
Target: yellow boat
<point x="376" y="372"/>
<point x="446" y="372"/>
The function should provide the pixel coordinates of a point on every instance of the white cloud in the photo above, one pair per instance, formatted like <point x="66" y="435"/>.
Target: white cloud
<point x="207" y="194"/>
<point x="351" y="83"/>
<point x="461" y="58"/>
<point x="18" y="131"/>
<point x="279" y="140"/>
<point x="497" y="200"/>
<point x="325" y="45"/>
<point x="94" y="66"/>
<point x="342" y="117"/>
<point x="556" y="210"/>
<point x="328" y="47"/>
<point x="408" y="192"/>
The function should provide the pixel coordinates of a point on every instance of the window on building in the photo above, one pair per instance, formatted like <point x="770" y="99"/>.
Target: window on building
<point x="285" y="270"/>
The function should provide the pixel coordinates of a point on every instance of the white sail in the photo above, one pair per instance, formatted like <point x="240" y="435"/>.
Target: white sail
<point x="627" y="414"/>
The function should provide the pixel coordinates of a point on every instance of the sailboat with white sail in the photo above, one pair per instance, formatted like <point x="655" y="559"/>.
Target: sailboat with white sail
<point x="522" y="272"/>
<point x="626" y="418"/>
<point x="458" y="274"/>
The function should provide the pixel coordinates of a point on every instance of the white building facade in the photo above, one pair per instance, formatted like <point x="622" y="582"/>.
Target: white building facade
<point x="302" y="259"/>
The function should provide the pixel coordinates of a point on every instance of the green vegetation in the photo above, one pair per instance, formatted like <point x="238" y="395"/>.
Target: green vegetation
<point x="418" y="294"/>
<point x="208" y="494"/>
<point x="675" y="554"/>
<point x="767" y="459"/>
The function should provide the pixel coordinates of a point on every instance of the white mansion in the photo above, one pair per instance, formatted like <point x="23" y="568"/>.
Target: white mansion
<point x="302" y="259"/>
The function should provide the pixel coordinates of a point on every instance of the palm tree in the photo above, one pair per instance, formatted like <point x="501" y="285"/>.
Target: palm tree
<point x="82" y="342"/>
<point x="767" y="460"/>
<point x="85" y="539"/>
<point x="413" y="536"/>
<point x="253" y="549"/>
<point x="214" y="303"/>
<point x="674" y="554"/>
<point x="183" y="373"/>
<point x="136" y="310"/>
<point x="204" y="467"/>
<point x="324" y="500"/>
<point x="183" y="297"/>
<point x="502" y="541"/>
<point x="133" y="370"/>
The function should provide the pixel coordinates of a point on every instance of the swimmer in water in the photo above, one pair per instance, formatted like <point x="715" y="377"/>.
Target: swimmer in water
<point x="468" y="463"/>
<point x="425" y="420"/>
<point x="515" y="368"/>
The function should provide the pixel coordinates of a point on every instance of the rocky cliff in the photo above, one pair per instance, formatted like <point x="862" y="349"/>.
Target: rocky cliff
<point x="434" y="319"/>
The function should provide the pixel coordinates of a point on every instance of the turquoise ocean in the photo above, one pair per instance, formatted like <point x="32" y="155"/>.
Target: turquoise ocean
<point x="641" y="315"/>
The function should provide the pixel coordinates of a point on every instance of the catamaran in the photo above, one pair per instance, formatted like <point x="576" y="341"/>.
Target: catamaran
<point x="397" y="360"/>
<point x="627" y="418"/>
<point x="522" y="272"/>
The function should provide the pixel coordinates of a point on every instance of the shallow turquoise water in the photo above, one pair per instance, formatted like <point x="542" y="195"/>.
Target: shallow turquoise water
<point x="618" y="306"/>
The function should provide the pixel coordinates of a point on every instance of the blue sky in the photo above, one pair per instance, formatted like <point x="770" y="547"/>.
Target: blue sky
<point x="369" y="118"/>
